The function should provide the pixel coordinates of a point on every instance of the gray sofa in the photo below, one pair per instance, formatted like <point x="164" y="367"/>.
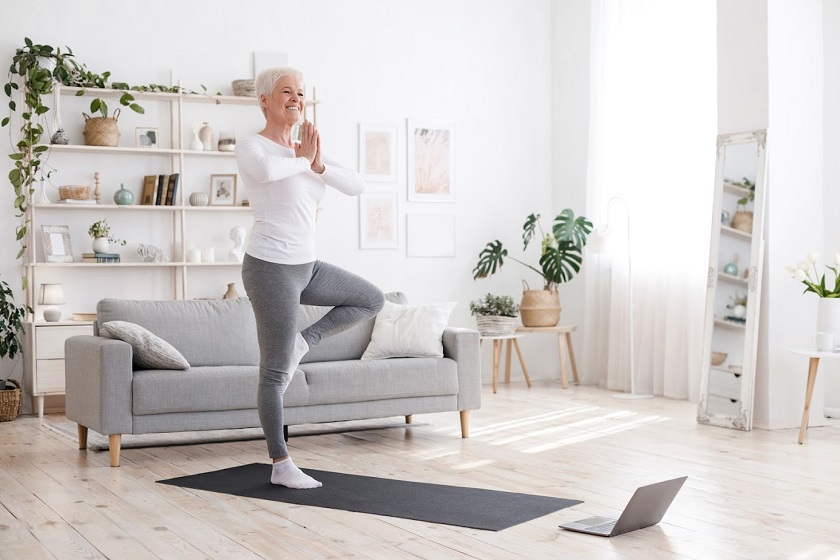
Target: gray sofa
<point x="218" y="338"/>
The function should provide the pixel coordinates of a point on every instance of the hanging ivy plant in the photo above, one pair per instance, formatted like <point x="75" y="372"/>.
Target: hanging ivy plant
<point x="33" y="72"/>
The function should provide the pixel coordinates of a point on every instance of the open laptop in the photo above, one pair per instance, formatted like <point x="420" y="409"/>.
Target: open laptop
<point x="645" y="508"/>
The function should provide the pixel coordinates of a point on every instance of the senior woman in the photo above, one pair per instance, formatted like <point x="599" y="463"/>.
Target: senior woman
<point x="285" y="180"/>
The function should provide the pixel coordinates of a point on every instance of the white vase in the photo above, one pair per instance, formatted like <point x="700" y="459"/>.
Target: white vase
<point x="100" y="245"/>
<point x="195" y="142"/>
<point x="828" y="318"/>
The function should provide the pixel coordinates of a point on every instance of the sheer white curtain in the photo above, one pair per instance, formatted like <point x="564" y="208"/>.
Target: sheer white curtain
<point x="652" y="151"/>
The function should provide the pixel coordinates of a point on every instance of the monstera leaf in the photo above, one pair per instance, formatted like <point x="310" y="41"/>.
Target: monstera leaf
<point x="490" y="259"/>
<point x="561" y="263"/>
<point x="570" y="229"/>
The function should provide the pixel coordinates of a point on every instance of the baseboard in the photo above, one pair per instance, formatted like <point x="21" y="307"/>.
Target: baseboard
<point x="831" y="412"/>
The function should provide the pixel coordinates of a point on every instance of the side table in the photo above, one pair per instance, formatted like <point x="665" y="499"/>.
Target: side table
<point x="497" y="352"/>
<point x="561" y="331"/>
<point x="814" y="356"/>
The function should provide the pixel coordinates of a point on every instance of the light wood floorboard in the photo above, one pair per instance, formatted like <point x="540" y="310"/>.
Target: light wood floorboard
<point x="749" y="495"/>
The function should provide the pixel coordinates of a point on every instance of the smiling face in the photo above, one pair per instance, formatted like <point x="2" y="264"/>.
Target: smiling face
<point x="286" y="102"/>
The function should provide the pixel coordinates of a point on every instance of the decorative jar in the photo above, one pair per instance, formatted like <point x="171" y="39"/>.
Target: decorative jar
<point x="123" y="196"/>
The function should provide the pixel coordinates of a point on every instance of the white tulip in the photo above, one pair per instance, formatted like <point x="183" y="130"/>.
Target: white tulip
<point x="805" y="265"/>
<point x="799" y="274"/>
<point x="790" y="268"/>
<point x="836" y="259"/>
<point x="813" y="256"/>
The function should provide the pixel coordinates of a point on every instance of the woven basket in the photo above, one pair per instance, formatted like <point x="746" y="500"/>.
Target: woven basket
<point x="102" y="131"/>
<point x="10" y="402"/>
<point x="742" y="220"/>
<point x="244" y="88"/>
<point x="73" y="192"/>
<point x="540" y="308"/>
<point x="495" y="325"/>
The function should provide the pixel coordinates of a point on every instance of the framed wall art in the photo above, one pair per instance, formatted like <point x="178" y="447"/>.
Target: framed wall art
<point x="431" y="161"/>
<point x="146" y="137"/>
<point x="378" y="223"/>
<point x="430" y="235"/>
<point x="223" y="190"/>
<point x="56" y="240"/>
<point x="378" y="153"/>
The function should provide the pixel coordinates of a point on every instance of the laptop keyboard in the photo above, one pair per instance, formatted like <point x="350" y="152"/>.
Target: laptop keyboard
<point x="603" y="527"/>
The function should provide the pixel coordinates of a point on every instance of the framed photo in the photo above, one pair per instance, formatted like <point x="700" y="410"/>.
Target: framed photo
<point x="378" y="227"/>
<point x="56" y="241"/>
<point x="378" y="153"/>
<point x="431" y="161"/>
<point x="430" y="235"/>
<point x="145" y="137"/>
<point x="223" y="190"/>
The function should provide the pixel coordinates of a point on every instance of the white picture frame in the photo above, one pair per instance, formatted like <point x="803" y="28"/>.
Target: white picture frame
<point x="431" y="160"/>
<point x="146" y="137"/>
<point x="56" y="242"/>
<point x="430" y="235"/>
<point x="223" y="189"/>
<point x="378" y="153"/>
<point x="378" y="221"/>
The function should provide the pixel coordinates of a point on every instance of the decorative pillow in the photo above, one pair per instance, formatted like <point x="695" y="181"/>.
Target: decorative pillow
<point x="150" y="351"/>
<point x="408" y="331"/>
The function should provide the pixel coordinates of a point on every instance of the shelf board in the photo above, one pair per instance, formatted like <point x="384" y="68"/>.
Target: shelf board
<point x="734" y="279"/>
<point x="729" y="324"/>
<point x="106" y="265"/>
<point x="735" y="189"/>
<point x="735" y="232"/>
<point x="210" y="264"/>
<point x="117" y="207"/>
<point x="216" y="208"/>
<point x="166" y="96"/>
<point x="80" y="148"/>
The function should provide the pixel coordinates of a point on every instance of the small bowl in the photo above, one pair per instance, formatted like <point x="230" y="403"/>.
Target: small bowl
<point x="718" y="358"/>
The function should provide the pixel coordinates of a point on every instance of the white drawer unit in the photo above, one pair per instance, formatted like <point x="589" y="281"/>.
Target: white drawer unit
<point x="46" y="356"/>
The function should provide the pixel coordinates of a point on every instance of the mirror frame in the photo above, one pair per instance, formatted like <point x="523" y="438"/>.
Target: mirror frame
<point x="742" y="419"/>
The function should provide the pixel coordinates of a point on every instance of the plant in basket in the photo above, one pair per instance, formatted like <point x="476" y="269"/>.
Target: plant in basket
<point x="11" y="325"/>
<point x="495" y="315"/>
<point x="561" y="257"/>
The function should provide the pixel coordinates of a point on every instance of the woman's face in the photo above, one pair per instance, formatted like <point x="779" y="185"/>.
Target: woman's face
<point x="286" y="103"/>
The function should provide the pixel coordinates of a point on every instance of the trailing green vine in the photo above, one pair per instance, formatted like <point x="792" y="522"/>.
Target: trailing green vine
<point x="34" y="71"/>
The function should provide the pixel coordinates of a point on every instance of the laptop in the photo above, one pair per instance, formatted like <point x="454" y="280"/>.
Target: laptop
<point x="645" y="508"/>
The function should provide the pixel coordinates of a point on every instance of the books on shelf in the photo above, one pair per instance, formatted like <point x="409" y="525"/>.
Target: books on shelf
<point x="160" y="190"/>
<point x="101" y="257"/>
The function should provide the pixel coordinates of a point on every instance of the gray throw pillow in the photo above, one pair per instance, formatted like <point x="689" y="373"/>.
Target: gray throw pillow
<point x="150" y="351"/>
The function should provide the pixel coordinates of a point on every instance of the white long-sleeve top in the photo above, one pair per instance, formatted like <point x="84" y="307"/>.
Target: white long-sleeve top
<point x="284" y="194"/>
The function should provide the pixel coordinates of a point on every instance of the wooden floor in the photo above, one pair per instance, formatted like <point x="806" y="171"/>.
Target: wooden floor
<point x="749" y="494"/>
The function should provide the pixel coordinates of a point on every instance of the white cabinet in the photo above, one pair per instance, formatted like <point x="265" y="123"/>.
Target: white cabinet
<point x="734" y="282"/>
<point x="45" y="356"/>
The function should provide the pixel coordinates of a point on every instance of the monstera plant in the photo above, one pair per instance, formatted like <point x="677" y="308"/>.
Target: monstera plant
<point x="561" y="257"/>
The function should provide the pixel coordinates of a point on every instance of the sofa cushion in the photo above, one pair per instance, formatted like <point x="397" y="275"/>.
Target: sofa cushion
<point x="148" y="350"/>
<point x="357" y="381"/>
<point x="206" y="332"/>
<point x="348" y="345"/>
<point x="409" y="331"/>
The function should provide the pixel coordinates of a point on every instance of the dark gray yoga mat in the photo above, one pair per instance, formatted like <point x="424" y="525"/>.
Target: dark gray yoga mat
<point x="436" y="503"/>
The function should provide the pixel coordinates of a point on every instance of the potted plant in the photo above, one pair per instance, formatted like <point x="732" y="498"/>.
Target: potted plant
<point x="101" y="233"/>
<point x="742" y="219"/>
<point x="11" y="325"/>
<point x="561" y="257"/>
<point x="495" y="315"/>
<point x="738" y="307"/>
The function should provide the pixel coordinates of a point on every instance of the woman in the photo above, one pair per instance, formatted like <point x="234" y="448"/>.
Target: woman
<point x="284" y="181"/>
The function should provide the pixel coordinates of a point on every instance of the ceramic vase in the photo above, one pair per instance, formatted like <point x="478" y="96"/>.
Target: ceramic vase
<point x="231" y="292"/>
<point x="123" y="196"/>
<point x="205" y="134"/>
<point x="60" y="137"/>
<point x="101" y="244"/>
<point x="199" y="199"/>
<point x="828" y="318"/>
<point x="195" y="142"/>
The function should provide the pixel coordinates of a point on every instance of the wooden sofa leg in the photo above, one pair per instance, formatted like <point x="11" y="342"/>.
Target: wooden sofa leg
<point x="408" y="418"/>
<point x="83" y="431"/>
<point x="465" y="423"/>
<point x="114" y="441"/>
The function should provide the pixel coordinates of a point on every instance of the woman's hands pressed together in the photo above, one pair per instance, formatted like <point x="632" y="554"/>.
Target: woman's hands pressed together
<point x="310" y="146"/>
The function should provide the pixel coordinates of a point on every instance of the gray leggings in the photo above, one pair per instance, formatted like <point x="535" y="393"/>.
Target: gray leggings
<point x="276" y="292"/>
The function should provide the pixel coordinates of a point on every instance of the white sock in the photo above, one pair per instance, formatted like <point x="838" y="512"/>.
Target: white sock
<point x="301" y="348"/>
<point x="286" y="473"/>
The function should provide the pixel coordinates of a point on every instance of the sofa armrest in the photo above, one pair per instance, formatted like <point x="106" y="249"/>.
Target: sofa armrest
<point x="98" y="376"/>
<point x="462" y="346"/>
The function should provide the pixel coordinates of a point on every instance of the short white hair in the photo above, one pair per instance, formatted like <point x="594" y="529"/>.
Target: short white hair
<point x="267" y="80"/>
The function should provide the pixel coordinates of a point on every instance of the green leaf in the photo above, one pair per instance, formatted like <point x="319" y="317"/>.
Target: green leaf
<point x="560" y="264"/>
<point x="531" y="222"/>
<point x="8" y="89"/>
<point x="16" y="156"/>
<point x="12" y="105"/>
<point x="569" y="229"/>
<point x="41" y="110"/>
<point x="80" y="93"/>
<point x="137" y="108"/>
<point x="5" y="121"/>
<point x="40" y="149"/>
<point x="95" y="105"/>
<point x="489" y="260"/>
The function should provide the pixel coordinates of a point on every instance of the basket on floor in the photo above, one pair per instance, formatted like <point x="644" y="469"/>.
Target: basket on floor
<point x="495" y="325"/>
<point x="10" y="402"/>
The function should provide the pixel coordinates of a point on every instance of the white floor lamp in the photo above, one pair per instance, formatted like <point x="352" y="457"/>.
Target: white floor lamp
<point x="605" y="233"/>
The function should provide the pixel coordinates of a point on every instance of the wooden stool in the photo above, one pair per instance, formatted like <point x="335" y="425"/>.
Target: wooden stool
<point x="497" y="352"/>
<point x="562" y="345"/>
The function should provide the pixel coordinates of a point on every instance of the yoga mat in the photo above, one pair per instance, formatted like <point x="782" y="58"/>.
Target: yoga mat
<point x="461" y="506"/>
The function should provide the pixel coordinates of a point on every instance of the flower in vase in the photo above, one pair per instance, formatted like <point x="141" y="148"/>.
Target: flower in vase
<point x="806" y="272"/>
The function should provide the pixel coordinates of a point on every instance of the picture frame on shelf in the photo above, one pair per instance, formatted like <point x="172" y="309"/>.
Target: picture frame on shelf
<point x="430" y="235"/>
<point x="378" y="153"/>
<point x="378" y="221"/>
<point x="146" y="137"/>
<point x="57" y="246"/>
<point x="223" y="189"/>
<point x="431" y="161"/>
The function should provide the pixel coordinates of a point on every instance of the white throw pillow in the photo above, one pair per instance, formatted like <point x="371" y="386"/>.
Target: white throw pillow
<point x="409" y="331"/>
<point x="150" y="351"/>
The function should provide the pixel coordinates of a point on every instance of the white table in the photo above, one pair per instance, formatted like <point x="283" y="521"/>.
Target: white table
<point x="814" y="356"/>
<point x="497" y="352"/>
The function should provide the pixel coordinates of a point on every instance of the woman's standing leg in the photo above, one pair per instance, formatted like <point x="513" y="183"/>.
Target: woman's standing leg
<point x="274" y="291"/>
<point x="352" y="298"/>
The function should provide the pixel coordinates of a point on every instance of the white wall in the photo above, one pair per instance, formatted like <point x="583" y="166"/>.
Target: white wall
<point x="484" y="64"/>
